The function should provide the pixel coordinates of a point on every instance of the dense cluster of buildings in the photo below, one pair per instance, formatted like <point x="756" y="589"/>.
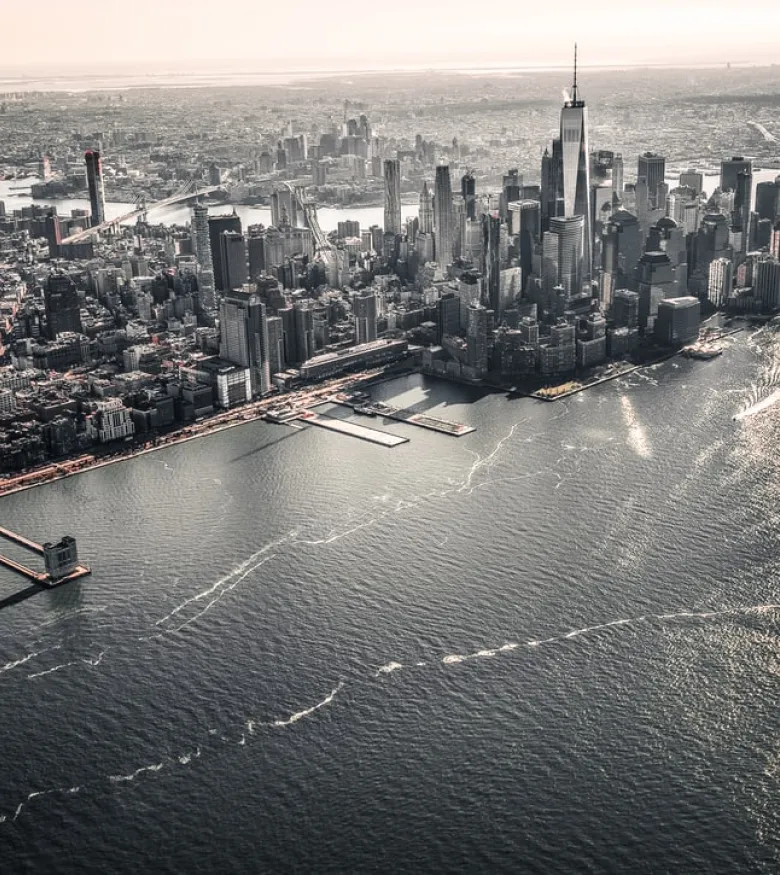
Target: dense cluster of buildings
<point x="122" y="335"/>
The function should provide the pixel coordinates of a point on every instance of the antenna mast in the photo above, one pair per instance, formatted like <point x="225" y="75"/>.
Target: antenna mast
<point x="574" y="84"/>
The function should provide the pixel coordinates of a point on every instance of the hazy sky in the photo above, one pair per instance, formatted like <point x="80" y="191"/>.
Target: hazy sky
<point x="348" y="34"/>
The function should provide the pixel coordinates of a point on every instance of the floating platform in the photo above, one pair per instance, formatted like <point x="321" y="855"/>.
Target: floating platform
<point x="372" y="435"/>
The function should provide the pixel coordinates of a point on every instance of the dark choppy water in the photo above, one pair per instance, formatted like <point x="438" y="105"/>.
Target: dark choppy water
<point x="551" y="645"/>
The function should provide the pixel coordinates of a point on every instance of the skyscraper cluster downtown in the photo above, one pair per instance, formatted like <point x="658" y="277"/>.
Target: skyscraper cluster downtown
<point x="583" y="267"/>
<point x="532" y="285"/>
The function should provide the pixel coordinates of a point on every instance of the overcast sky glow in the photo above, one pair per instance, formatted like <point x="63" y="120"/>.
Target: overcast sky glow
<point x="345" y="34"/>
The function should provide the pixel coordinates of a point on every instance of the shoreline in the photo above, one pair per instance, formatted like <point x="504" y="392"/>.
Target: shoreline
<point x="242" y="417"/>
<point x="261" y="408"/>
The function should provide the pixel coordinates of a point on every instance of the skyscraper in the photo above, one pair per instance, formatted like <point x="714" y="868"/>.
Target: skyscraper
<point x="233" y="259"/>
<point x="426" y="210"/>
<point x="566" y="254"/>
<point x="617" y="176"/>
<point x="692" y="179"/>
<point x="511" y="190"/>
<point x="730" y="168"/>
<point x="284" y="208"/>
<point x="243" y="338"/>
<point x="491" y="264"/>
<point x="550" y="188"/>
<point x="721" y="280"/>
<point x="202" y="247"/>
<point x="200" y="237"/>
<point x="468" y="188"/>
<point x="743" y="201"/>
<point x="393" y="196"/>
<point x="768" y="200"/>
<point x="442" y="216"/>
<point x="217" y="226"/>
<point x="576" y="169"/>
<point x="653" y="169"/>
<point x="97" y="200"/>
<point x="63" y="310"/>
<point x="364" y="307"/>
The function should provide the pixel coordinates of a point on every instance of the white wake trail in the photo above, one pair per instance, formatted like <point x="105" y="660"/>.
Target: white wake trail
<point x="223" y="584"/>
<point x="9" y="666"/>
<point x="307" y="712"/>
<point x="767" y="402"/>
<point x="118" y="779"/>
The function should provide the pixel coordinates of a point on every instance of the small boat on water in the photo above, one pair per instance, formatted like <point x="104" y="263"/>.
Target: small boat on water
<point x="702" y="351"/>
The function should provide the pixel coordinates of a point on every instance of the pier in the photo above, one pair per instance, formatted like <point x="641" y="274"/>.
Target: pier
<point x="362" y="432"/>
<point x="20" y="539"/>
<point x="60" y="560"/>
<point x="424" y="420"/>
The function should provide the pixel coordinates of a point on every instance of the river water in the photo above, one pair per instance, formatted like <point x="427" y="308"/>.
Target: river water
<point x="329" y="217"/>
<point x="550" y="645"/>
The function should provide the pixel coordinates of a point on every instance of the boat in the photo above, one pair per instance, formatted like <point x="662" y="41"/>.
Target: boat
<point x="366" y="411"/>
<point x="702" y="351"/>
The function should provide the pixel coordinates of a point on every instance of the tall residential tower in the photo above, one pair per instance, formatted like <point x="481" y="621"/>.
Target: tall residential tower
<point x="442" y="216"/>
<point x="97" y="199"/>
<point x="393" y="196"/>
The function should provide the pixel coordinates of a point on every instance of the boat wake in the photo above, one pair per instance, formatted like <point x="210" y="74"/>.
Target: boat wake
<point x="758" y="407"/>
<point x="248" y="726"/>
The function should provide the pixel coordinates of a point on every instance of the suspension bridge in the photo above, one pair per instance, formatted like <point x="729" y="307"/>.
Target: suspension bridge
<point x="186" y="192"/>
<point x="308" y="208"/>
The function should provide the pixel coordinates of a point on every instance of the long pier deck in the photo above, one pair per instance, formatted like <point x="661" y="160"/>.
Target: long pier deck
<point x="424" y="420"/>
<point x="372" y="435"/>
<point x="20" y="539"/>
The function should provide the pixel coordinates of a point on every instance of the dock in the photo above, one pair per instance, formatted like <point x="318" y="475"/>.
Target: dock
<point x="424" y="420"/>
<point x="362" y="432"/>
<point x="20" y="539"/>
<point x="58" y="575"/>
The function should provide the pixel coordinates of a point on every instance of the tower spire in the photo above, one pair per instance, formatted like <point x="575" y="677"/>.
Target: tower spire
<point x="574" y="84"/>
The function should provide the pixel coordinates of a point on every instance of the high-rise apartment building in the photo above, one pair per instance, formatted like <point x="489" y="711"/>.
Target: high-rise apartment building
<point x="442" y="216"/>
<point x="97" y="198"/>
<point x="393" y="196"/>
<point x="243" y="336"/>
<point x="201" y="244"/>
